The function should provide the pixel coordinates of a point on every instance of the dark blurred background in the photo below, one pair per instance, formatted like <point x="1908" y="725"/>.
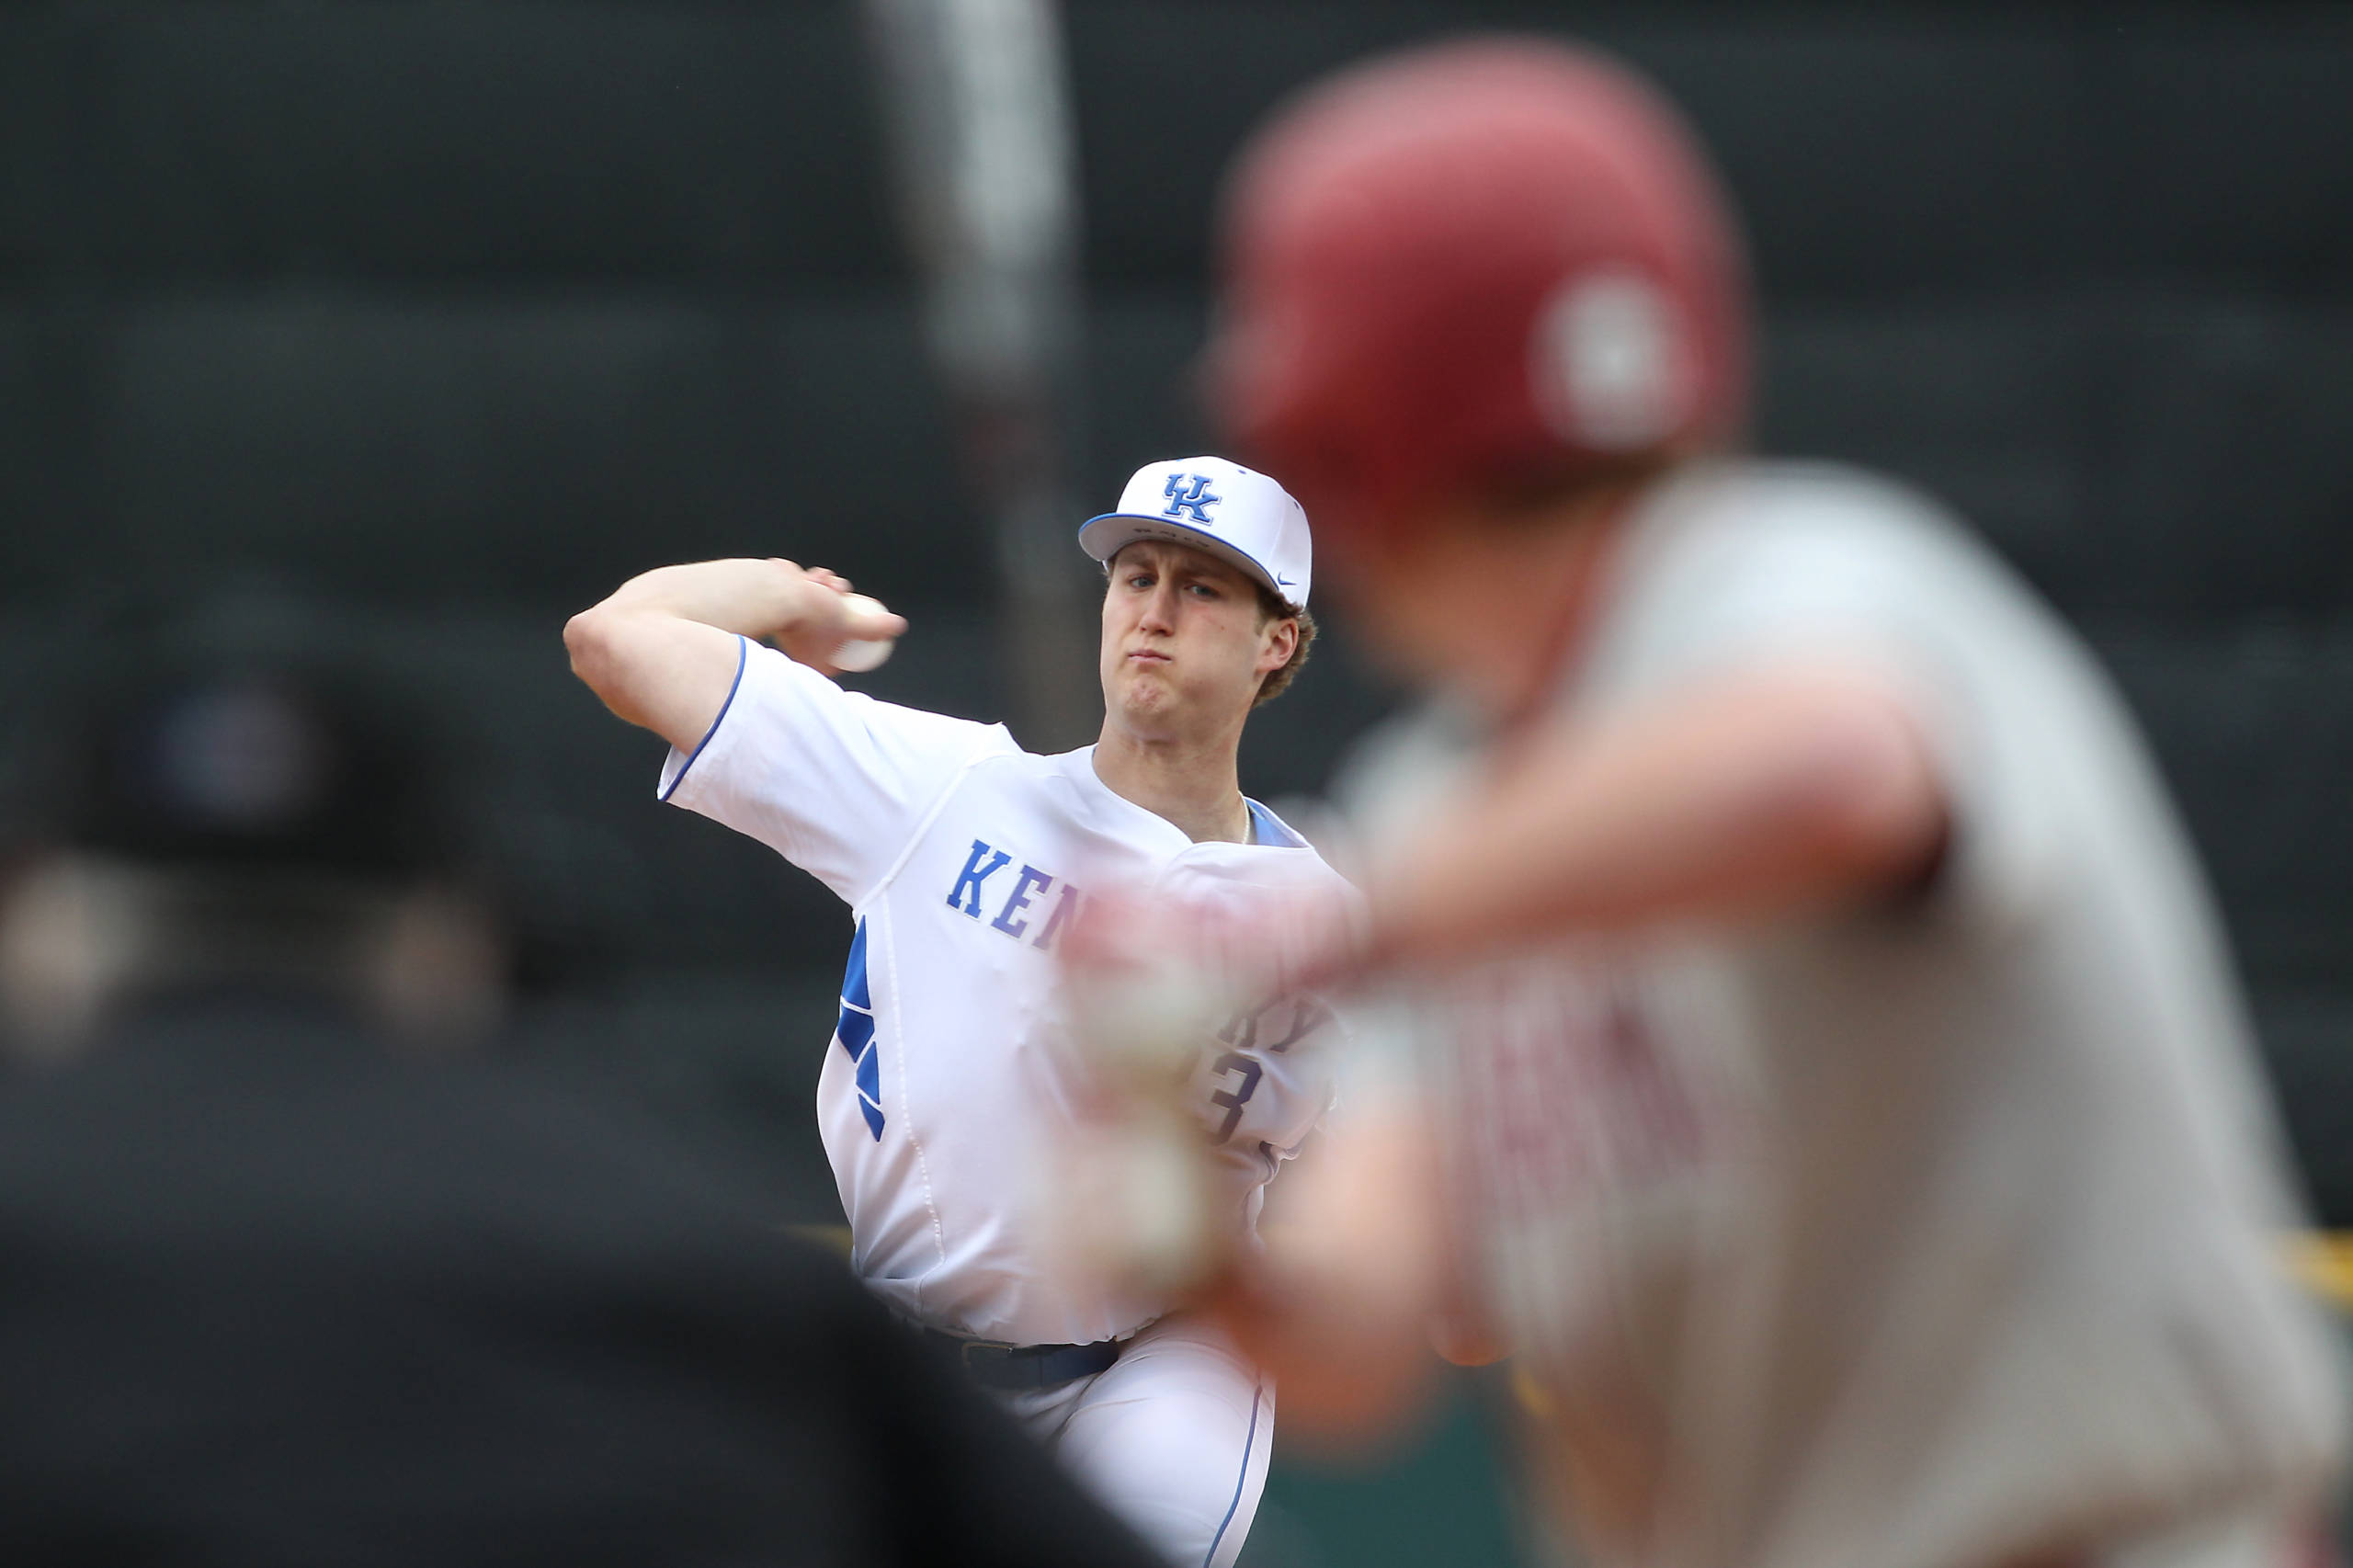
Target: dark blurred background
<point x="397" y="332"/>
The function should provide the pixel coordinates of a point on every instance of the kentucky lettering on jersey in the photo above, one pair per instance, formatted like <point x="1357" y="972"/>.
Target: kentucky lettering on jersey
<point x="984" y="862"/>
<point x="956" y="852"/>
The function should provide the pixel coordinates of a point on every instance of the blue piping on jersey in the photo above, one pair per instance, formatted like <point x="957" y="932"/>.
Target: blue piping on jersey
<point x="1270" y="830"/>
<point x="743" y="655"/>
<point x="1257" y="1397"/>
<point x="854" y="1031"/>
<point x="854" y="987"/>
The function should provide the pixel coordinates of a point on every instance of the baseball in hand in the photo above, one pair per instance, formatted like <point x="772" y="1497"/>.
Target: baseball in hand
<point x="859" y="654"/>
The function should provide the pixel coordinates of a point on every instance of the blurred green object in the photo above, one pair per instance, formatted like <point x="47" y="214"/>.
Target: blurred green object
<point x="1444" y="1499"/>
<point x="2344" y="1508"/>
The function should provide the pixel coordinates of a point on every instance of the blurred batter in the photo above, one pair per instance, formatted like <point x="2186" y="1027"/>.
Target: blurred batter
<point x="1835" y="1087"/>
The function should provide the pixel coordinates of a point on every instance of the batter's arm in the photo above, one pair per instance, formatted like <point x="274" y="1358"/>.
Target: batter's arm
<point x="1337" y="1303"/>
<point x="661" y="650"/>
<point x="1757" y="795"/>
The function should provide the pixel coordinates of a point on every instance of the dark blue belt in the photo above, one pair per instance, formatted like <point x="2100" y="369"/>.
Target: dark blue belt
<point x="999" y="1366"/>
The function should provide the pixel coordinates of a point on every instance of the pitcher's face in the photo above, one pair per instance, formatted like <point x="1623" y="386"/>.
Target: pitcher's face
<point x="1184" y="644"/>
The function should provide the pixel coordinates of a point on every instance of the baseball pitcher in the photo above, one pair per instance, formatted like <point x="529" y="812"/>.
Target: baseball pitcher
<point x="965" y="862"/>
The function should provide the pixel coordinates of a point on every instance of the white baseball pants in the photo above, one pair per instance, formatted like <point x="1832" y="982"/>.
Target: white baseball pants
<point x="1172" y="1438"/>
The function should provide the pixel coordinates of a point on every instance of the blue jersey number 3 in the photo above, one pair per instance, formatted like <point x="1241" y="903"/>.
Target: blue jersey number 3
<point x="1235" y="1099"/>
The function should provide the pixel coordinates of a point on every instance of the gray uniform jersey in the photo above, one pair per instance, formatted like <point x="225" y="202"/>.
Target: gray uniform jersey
<point x="1922" y="1236"/>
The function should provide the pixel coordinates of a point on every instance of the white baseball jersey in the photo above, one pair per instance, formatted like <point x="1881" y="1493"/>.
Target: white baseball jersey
<point x="1919" y="1236"/>
<point x="963" y="859"/>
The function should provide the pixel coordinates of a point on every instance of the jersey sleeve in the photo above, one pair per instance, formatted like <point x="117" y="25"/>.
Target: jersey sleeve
<point x="833" y="780"/>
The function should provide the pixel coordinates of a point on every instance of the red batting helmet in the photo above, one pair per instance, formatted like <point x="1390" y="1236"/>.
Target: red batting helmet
<point x="1480" y="263"/>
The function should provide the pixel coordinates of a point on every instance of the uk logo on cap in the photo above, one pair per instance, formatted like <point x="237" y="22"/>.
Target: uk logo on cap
<point x="1210" y="503"/>
<point x="1190" y="492"/>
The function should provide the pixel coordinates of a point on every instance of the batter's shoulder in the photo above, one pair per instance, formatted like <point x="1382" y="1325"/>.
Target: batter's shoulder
<point x="1817" y="527"/>
<point x="1763" y="496"/>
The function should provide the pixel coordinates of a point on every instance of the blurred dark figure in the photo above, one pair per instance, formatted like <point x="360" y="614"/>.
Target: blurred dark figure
<point x="281" y="1282"/>
<point x="240" y="828"/>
